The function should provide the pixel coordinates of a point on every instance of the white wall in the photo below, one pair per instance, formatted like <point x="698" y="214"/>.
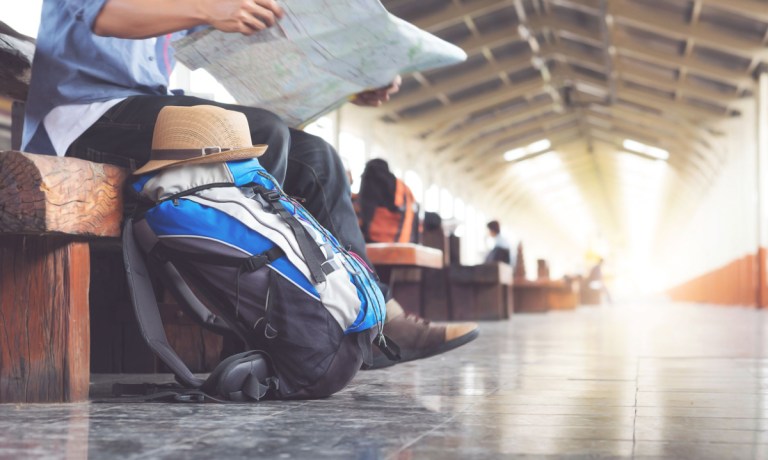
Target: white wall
<point x="719" y="224"/>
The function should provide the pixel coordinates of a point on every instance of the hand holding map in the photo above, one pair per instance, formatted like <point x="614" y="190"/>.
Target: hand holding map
<point x="321" y="53"/>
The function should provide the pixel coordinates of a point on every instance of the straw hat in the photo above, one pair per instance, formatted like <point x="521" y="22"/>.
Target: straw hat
<point x="199" y="134"/>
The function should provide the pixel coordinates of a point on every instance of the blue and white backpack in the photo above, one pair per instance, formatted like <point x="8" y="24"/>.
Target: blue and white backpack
<point x="232" y="245"/>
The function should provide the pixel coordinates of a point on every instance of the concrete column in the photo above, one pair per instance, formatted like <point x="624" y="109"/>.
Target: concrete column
<point x="761" y="98"/>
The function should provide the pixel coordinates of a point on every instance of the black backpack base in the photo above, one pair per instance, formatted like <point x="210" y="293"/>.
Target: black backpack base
<point x="246" y="376"/>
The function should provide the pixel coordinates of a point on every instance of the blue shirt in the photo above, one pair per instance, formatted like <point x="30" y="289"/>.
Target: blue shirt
<point x="72" y="65"/>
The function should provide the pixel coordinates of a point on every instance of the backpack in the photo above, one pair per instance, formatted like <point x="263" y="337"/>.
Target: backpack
<point x="252" y="263"/>
<point x="397" y="222"/>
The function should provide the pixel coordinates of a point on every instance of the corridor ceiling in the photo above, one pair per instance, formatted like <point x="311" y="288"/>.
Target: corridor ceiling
<point x="586" y="75"/>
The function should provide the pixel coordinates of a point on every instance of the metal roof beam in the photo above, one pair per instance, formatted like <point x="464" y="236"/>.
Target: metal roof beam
<point x="534" y="109"/>
<point x="499" y="180"/>
<point x="653" y="80"/>
<point x="457" y="82"/>
<point x="676" y="145"/>
<point x="685" y="130"/>
<point x="456" y="111"/>
<point x="481" y="147"/>
<point x="503" y="36"/>
<point x="480" y="169"/>
<point x="677" y="108"/>
<point x="626" y="47"/>
<point x="755" y="9"/>
<point x="705" y="34"/>
<point x="456" y="13"/>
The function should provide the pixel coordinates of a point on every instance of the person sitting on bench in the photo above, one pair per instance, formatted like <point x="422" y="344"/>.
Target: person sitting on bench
<point x="100" y="77"/>
<point x="388" y="211"/>
<point x="500" y="251"/>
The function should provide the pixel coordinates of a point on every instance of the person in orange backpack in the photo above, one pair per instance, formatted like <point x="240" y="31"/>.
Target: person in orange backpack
<point x="388" y="210"/>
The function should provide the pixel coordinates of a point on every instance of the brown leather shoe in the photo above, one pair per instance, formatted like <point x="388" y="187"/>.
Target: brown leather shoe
<point x="418" y="338"/>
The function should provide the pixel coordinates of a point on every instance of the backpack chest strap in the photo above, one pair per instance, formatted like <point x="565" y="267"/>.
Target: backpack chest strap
<point x="313" y="255"/>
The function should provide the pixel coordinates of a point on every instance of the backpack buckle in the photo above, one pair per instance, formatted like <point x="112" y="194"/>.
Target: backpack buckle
<point x="270" y="195"/>
<point x="254" y="263"/>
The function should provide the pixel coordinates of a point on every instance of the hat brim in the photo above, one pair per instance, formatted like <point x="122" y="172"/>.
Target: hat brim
<point x="220" y="157"/>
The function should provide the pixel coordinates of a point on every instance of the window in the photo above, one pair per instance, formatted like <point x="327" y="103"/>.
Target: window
<point x="531" y="149"/>
<point x="199" y="83"/>
<point x="24" y="17"/>
<point x="414" y="182"/>
<point x="432" y="199"/>
<point x="323" y="127"/>
<point x="352" y="151"/>
<point x="446" y="204"/>
<point x="459" y="209"/>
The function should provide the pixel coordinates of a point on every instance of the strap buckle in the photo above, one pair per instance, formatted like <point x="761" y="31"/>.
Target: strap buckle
<point x="254" y="263"/>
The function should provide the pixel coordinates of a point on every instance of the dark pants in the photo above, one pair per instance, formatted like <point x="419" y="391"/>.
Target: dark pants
<point x="307" y="166"/>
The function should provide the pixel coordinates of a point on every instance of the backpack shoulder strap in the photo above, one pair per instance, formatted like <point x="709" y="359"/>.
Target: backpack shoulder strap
<point x="404" y="233"/>
<point x="147" y="312"/>
<point x="399" y="194"/>
<point x="242" y="377"/>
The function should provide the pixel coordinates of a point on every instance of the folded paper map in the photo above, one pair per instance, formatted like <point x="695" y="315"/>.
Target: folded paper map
<point x="318" y="55"/>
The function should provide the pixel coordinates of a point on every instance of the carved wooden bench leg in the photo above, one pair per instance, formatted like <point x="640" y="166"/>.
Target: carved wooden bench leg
<point x="45" y="337"/>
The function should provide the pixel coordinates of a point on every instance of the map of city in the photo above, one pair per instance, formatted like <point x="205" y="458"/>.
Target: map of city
<point x="321" y="53"/>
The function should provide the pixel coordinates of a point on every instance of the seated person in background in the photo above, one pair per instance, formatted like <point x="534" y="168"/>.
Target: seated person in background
<point x="100" y="77"/>
<point x="500" y="251"/>
<point x="596" y="282"/>
<point x="388" y="211"/>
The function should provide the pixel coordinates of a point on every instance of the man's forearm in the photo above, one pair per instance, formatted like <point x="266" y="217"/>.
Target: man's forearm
<point x="146" y="18"/>
<point x="152" y="18"/>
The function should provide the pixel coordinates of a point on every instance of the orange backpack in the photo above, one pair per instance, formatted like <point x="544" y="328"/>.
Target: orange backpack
<point x="399" y="226"/>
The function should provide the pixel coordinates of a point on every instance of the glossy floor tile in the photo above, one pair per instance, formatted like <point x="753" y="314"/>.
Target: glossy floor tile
<point x="652" y="380"/>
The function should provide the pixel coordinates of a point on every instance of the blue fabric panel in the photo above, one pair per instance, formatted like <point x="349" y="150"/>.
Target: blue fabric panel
<point x="190" y="218"/>
<point x="373" y="308"/>
<point x="245" y="172"/>
<point x="142" y="181"/>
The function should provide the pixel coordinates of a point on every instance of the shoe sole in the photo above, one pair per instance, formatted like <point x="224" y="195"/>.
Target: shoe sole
<point x="381" y="361"/>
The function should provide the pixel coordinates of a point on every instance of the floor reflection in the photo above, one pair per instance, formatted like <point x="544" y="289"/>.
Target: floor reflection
<point x="644" y="381"/>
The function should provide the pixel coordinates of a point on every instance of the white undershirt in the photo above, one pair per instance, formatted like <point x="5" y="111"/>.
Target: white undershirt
<point x="66" y="123"/>
<point x="500" y="242"/>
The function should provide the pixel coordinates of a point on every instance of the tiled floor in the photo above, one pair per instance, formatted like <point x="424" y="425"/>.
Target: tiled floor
<point x="643" y="381"/>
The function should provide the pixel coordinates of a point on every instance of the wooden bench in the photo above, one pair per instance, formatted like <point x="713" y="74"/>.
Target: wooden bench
<point x="481" y="292"/>
<point x="437" y="300"/>
<point x="50" y="208"/>
<point x="543" y="295"/>
<point x="564" y="294"/>
<point x="531" y="296"/>
<point x="401" y="266"/>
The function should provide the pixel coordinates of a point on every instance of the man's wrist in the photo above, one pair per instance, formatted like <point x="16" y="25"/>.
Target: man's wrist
<point x="200" y="13"/>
